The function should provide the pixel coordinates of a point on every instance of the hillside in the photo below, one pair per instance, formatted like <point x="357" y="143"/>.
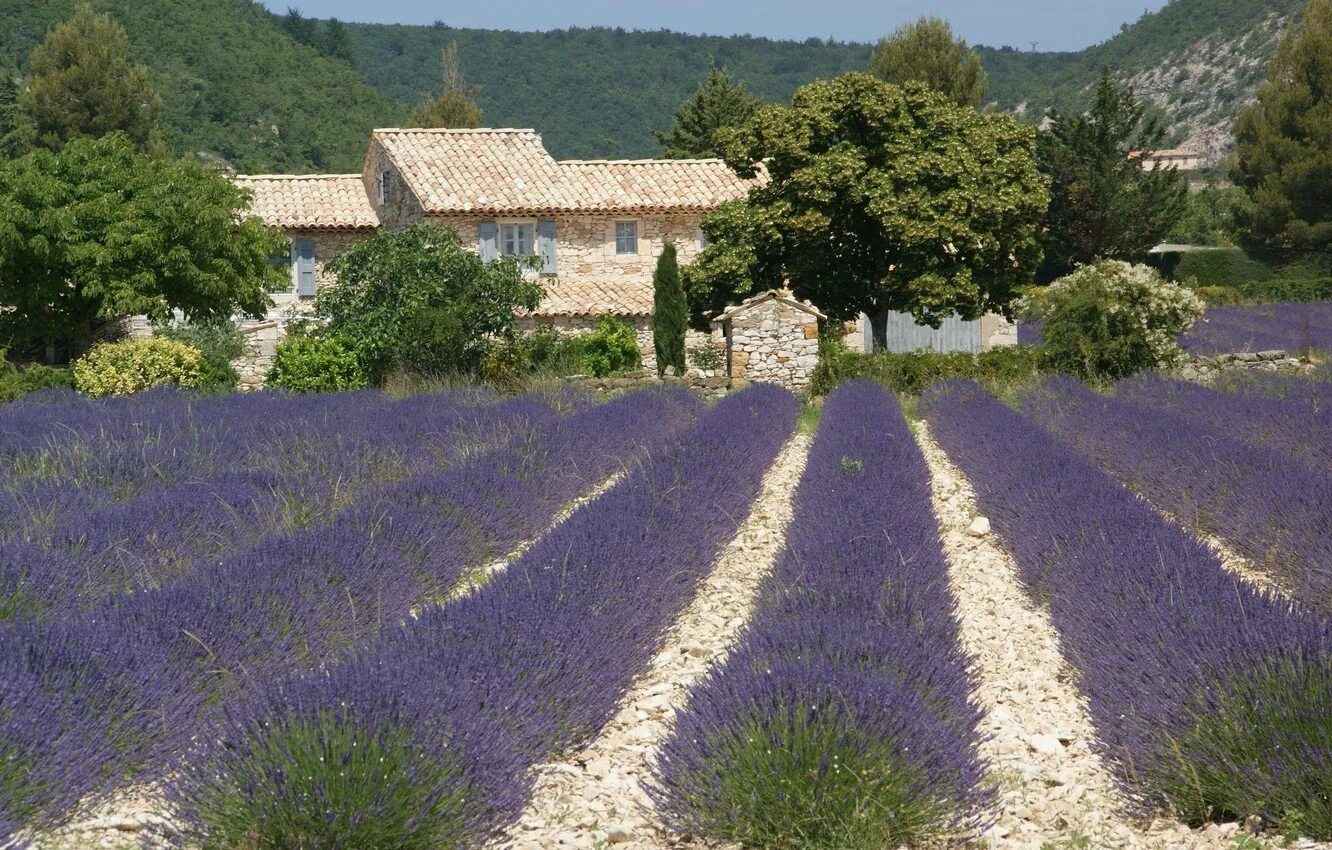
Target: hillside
<point x="238" y="88"/>
<point x="235" y="87"/>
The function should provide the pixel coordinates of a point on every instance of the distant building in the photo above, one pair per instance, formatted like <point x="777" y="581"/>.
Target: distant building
<point x="1181" y="159"/>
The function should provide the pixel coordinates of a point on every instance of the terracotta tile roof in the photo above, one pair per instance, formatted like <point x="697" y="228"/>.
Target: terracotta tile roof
<point x="590" y="296"/>
<point x="314" y="200"/>
<point x="509" y="171"/>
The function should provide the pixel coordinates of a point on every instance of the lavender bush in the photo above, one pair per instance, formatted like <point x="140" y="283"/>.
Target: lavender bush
<point x="532" y="664"/>
<point x="1288" y="425"/>
<point x="842" y="719"/>
<point x="1209" y="698"/>
<point x="188" y="647"/>
<point x="1267" y="506"/>
<point x="1266" y="327"/>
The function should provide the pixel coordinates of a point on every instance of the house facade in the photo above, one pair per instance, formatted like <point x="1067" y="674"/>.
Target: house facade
<point x="597" y="227"/>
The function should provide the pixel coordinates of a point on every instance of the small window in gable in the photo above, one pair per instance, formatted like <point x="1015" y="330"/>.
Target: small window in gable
<point x="385" y="184"/>
<point x="518" y="240"/>
<point x="626" y="237"/>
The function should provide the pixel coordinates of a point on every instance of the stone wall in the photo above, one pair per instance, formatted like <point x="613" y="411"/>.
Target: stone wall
<point x="261" y="342"/>
<point x="1203" y="369"/>
<point x="772" y="340"/>
<point x="402" y="206"/>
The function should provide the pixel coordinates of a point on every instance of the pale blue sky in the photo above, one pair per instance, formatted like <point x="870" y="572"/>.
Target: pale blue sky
<point x="1054" y="24"/>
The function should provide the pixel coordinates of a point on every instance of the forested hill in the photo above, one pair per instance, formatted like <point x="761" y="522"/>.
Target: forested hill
<point x="238" y="87"/>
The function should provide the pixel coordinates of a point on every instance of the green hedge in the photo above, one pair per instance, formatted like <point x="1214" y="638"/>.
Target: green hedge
<point x="1303" y="280"/>
<point x="18" y="382"/>
<point x="913" y="372"/>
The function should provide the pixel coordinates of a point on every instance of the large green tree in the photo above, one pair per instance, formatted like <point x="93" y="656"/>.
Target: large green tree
<point x="670" y="313"/>
<point x="10" y="142"/>
<point x="1283" y="157"/>
<point x="927" y="52"/>
<point x="719" y="104"/>
<point x="881" y="198"/>
<point x="455" y="105"/>
<point x="82" y="84"/>
<point x="1103" y="203"/>
<point x="98" y="231"/>
<point x="415" y="299"/>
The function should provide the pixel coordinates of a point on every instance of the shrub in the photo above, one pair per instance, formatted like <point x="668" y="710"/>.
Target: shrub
<point x="610" y="349"/>
<point x="1305" y="279"/>
<point x="316" y="363"/>
<point x="132" y="365"/>
<point x="912" y="372"/>
<point x="415" y="299"/>
<point x="1112" y="319"/>
<point x="15" y="382"/>
<point x="219" y="344"/>
<point x="1221" y="296"/>
<point x="706" y="357"/>
<point x="543" y="351"/>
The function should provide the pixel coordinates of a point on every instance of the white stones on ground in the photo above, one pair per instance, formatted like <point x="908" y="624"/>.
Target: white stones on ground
<point x="980" y="526"/>
<point x="1052" y="786"/>
<point x="609" y="774"/>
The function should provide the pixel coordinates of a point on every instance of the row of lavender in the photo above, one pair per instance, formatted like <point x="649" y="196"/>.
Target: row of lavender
<point x="1289" y="327"/>
<point x="112" y="696"/>
<point x="1209" y="697"/>
<point x="1252" y="472"/>
<point x="428" y="736"/>
<point x="843" y="717"/>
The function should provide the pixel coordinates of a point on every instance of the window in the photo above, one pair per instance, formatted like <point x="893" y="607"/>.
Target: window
<point x="517" y="240"/>
<point x="702" y="240"/>
<point x="384" y="185"/>
<point x="626" y="237"/>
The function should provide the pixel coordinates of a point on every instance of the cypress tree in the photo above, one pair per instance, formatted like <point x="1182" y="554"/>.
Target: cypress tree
<point x="1283" y="150"/>
<point x="670" y="313"/>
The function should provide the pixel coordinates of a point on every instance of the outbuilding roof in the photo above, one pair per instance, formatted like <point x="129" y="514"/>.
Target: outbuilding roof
<point x="312" y="200"/>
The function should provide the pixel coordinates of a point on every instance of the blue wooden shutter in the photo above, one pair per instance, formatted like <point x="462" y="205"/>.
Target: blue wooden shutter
<point x="546" y="246"/>
<point x="305" y="268"/>
<point x="489" y="240"/>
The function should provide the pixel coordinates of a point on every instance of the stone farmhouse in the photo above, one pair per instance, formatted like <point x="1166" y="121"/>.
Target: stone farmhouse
<point x="597" y="226"/>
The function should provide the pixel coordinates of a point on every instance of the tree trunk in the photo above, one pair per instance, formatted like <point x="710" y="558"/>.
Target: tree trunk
<point x="879" y="328"/>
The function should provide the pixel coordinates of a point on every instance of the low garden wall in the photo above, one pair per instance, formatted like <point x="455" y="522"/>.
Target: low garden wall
<point x="1206" y="367"/>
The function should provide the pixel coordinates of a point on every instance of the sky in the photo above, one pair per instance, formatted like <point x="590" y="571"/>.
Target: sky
<point x="1052" y="24"/>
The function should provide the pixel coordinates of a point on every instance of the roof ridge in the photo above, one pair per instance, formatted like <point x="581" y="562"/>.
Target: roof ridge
<point x="357" y="175"/>
<point x="458" y="130"/>
<point x="660" y="161"/>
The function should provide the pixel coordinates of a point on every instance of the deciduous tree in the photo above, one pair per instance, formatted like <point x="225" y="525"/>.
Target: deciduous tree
<point x="336" y="41"/>
<point x="670" y="314"/>
<point x="882" y="198"/>
<point x="455" y="105"/>
<point x="1103" y="203"/>
<point x="97" y="231"/>
<point x="416" y="299"/>
<point x="82" y="84"/>
<point x="1283" y="157"/>
<point x="719" y="104"/>
<point x="927" y="52"/>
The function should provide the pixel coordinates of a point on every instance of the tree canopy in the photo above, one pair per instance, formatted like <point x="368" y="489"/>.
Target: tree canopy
<point x="880" y="198"/>
<point x="719" y="104"/>
<point x="417" y="299"/>
<point x="927" y="52"/>
<point x="1283" y="158"/>
<point x="1103" y="203"/>
<point x="455" y="105"/>
<point x="82" y="84"/>
<point x="98" y="231"/>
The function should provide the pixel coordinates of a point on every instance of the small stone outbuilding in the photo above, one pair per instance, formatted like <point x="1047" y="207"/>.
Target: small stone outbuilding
<point x="772" y="337"/>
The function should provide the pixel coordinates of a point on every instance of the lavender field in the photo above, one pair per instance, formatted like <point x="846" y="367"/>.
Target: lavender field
<point x="354" y="621"/>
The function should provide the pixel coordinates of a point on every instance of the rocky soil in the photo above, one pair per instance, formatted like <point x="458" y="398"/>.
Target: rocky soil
<point x="1054" y="791"/>
<point x="596" y="798"/>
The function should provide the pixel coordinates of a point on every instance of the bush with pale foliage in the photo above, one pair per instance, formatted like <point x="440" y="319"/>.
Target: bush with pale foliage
<point x="1111" y="319"/>
<point x="132" y="365"/>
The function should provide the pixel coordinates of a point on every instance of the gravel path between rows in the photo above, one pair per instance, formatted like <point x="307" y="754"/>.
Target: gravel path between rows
<point x="596" y="798"/>
<point x="1054" y="791"/>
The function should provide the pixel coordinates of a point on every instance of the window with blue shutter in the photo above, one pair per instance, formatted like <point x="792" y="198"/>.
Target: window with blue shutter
<point x="626" y="237"/>
<point x="546" y="246"/>
<point x="489" y="236"/>
<point x="305" y="268"/>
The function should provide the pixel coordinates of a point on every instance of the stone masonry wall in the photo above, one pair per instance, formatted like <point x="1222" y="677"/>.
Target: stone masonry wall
<point x="1204" y="369"/>
<point x="261" y="342"/>
<point x="774" y="342"/>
